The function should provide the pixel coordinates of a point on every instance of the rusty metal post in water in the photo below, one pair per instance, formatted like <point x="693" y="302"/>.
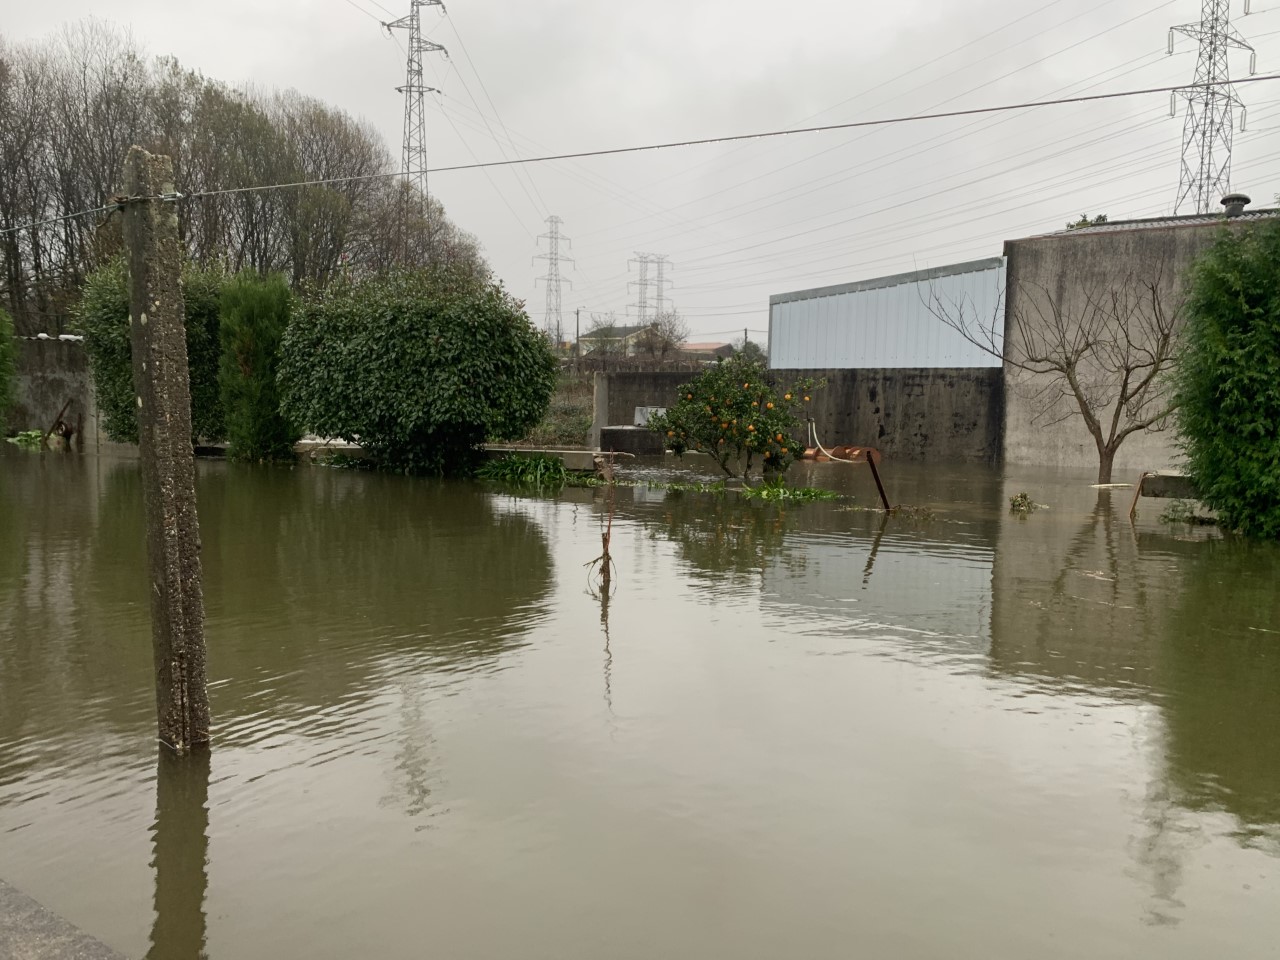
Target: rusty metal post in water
<point x="879" y="486"/>
<point x="163" y="394"/>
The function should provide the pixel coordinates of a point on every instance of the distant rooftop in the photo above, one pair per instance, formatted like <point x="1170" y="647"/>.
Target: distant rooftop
<point x="1160" y="223"/>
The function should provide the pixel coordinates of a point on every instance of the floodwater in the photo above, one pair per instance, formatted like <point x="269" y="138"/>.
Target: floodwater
<point x="790" y="732"/>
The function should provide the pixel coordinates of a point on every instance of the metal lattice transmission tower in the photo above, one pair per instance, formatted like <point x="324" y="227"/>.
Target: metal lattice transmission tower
<point x="661" y="302"/>
<point x="642" y="261"/>
<point x="647" y="309"/>
<point x="1211" y="104"/>
<point x="554" y="320"/>
<point x="415" y="90"/>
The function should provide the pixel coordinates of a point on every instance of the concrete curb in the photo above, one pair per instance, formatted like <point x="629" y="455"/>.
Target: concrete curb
<point x="30" y="932"/>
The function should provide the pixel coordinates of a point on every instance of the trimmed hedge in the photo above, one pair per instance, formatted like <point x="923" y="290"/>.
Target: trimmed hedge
<point x="103" y="318"/>
<point x="418" y="368"/>
<point x="255" y="314"/>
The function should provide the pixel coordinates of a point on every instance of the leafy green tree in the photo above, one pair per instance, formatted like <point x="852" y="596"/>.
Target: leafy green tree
<point x="731" y="413"/>
<point x="418" y="368"/>
<point x="1229" y="379"/>
<point x="102" y="315"/>
<point x="255" y="313"/>
<point x="8" y="373"/>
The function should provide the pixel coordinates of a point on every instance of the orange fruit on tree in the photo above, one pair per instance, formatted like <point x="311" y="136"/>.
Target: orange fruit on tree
<point x="751" y="427"/>
<point x="786" y="397"/>
<point x="769" y="405"/>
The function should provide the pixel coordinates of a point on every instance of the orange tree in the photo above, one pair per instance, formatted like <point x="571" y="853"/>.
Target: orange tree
<point x="731" y="413"/>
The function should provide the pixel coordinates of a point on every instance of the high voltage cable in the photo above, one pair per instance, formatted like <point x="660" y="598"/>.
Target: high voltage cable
<point x="763" y="135"/>
<point x="705" y="141"/>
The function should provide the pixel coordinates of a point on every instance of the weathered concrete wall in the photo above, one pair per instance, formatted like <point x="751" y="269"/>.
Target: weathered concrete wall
<point x="1065" y="272"/>
<point x="618" y="394"/>
<point x="51" y="372"/>
<point x="953" y="415"/>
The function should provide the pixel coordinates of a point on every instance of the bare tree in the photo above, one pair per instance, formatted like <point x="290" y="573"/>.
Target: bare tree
<point x="603" y="337"/>
<point x="1103" y="355"/>
<point x="72" y="106"/>
<point x="662" y="339"/>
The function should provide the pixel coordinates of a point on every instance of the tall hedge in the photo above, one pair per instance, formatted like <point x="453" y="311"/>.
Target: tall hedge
<point x="103" y="318"/>
<point x="419" y="368"/>
<point x="255" y="313"/>
<point x="1229" y="379"/>
<point x="8" y="359"/>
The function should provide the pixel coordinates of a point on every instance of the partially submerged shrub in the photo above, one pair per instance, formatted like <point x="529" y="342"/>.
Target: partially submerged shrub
<point x="254" y="314"/>
<point x="103" y="317"/>
<point x="730" y="412"/>
<point x="420" y="369"/>
<point x="1229" y="380"/>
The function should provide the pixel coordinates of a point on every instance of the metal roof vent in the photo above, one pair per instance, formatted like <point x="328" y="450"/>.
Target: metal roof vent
<point x="1235" y="204"/>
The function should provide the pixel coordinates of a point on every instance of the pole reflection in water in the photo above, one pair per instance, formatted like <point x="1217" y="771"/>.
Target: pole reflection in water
<point x="181" y="844"/>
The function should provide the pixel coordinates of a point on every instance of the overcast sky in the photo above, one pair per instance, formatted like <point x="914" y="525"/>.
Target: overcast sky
<point x="741" y="221"/>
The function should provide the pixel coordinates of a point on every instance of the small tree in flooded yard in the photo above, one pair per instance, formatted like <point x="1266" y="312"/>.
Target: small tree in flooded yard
<point x="731" y="413"/>
<point x="1228" y="385"/>
<point x="418" y="368"/>
<point x="255" y="312"/>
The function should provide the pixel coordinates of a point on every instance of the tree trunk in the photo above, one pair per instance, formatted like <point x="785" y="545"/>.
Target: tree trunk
<point x="1106" y="457"/>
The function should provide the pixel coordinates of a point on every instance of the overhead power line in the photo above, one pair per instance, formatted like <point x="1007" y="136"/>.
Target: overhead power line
<point x="731" y="138"/>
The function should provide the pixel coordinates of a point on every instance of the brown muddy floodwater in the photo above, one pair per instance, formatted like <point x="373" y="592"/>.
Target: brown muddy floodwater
<point x="794" y="732"/>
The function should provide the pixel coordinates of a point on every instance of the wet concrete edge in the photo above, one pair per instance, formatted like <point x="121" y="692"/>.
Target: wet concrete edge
<point x="30" y="932"/>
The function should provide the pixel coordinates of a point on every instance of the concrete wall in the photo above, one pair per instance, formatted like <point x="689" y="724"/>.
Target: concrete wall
<point x="953" y="415"/>
<point x="908" y="414"/>
<point x="51" y="372"/>
<point x="1064" y="272"/>
<point x="618" y="394"/>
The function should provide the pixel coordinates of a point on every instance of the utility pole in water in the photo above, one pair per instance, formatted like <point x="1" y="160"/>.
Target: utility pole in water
<point x="162" y="387"/>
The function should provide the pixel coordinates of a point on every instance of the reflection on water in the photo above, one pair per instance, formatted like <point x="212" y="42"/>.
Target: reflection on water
<point x="181" y="838"/>
<point x="785" y="731"/>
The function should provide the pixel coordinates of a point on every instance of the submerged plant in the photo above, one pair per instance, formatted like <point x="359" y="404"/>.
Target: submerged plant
<point x="1184" y="511"/>
<point x="28" y="439"/>
<point x="532" y="470"/>
<point x="774" y="491"/>
<point x="1023" y="504"/>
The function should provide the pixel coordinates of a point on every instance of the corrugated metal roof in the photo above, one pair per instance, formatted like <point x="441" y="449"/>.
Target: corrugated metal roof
<point x="887" y="322"/>
<point x="933" y="273"/>
<point x="1162" y="223"/>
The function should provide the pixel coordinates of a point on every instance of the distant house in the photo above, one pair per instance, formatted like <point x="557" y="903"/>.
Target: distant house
<point x="618" y="340"/>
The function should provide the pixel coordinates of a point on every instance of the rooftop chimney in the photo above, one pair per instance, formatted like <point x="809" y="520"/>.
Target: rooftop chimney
<point x="1235" y="204"/>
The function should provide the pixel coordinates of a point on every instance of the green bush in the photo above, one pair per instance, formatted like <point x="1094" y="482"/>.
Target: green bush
<point x="1229" y="380"/>
<point x="103" y="317"/>
<point x="730" y="412"/>
<point x="418" y="368"/>
<point x="8" y="359"/>
<point x="255" y="313"/>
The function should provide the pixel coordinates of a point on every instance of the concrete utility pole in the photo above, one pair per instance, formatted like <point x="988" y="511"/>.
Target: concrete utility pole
<point x="163" y="390"/>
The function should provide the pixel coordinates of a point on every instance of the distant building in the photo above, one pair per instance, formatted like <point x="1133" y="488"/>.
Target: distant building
<point x="897" y="377"/>
<point x="705" y="351"/>
<point x="901" y="378"/>
<point x="618" y="340"/>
